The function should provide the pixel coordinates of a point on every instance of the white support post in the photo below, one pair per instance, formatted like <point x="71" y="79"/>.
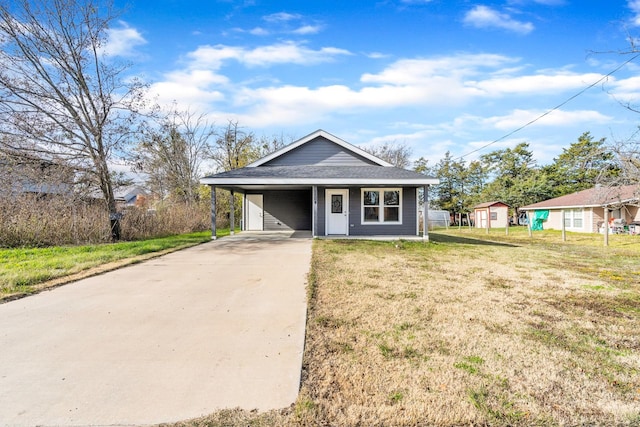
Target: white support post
<point x="213" y="212"/>
<point x="232" y="213"/>
<point x="314" y="215"/>
<point x="564" y="228"/>
<point x="425" y="214"/>
<point x="243" y="219"/>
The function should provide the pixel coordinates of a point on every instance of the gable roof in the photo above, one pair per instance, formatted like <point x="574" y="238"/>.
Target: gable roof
<point x="592" y="197"/>
<point x="320" y="175"/>
<point x="489" y="204"/>
<point x="320" y="133"/>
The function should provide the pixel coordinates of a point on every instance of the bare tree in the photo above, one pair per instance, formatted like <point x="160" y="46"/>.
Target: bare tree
<point x="60" y="93"/>
<point x="234" y="148"/>
<point x="266" y="145"/>
<point x="627" y="159"/>
<point x="172" y="154"/>
<point x="395" y="153"/>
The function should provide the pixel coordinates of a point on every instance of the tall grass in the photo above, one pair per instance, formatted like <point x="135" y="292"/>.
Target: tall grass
<point x="35" y="221"/>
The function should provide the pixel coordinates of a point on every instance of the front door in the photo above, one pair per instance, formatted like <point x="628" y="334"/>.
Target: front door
<point x="337" y="208"/>
<point x="255" y="212"/>
<point x="481" y="220"/>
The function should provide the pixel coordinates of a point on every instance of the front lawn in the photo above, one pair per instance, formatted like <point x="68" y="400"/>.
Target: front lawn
<point x="468" y="331"/>
<point x="22" y="271"/>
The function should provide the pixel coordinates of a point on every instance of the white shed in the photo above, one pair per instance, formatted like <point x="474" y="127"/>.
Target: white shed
<point x="491" y="215"/>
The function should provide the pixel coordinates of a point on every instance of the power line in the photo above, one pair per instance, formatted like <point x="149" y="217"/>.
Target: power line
<point x="546" y="113"/>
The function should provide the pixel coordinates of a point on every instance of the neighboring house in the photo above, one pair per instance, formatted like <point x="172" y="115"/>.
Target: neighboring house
<point x="132" y="195"/>
<point x="584" y="211"/>
<point x="325" y="185"/>
<point x="26" y="174"/>
<point x="496" y="213"/>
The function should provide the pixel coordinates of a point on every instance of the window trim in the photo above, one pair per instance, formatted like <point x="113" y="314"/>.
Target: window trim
<point x="381" y="206"/>
<point x="570" y="215"/>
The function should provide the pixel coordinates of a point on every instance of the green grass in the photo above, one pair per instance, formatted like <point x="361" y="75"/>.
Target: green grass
<point x="22" y="269"/>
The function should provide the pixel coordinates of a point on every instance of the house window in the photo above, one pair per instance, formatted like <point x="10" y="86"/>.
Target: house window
<point x="573" y="218"/>
<point x="336" y="203"/>
<point x="494" y="216"/>
<point x="381" y="205"/>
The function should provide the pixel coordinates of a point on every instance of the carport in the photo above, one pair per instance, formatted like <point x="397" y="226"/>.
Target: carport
<point x="272" y="208"/>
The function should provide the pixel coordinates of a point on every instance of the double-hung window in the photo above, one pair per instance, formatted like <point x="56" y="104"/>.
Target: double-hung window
<point x="381" y="206"/>
<point x="573" y="218"/>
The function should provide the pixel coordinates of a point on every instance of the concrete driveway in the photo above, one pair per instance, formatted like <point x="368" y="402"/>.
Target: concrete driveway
<point x="219" y="325"/>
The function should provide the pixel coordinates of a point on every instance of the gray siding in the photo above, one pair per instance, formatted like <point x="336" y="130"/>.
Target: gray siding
<point x="409" y="212"/>
<point x="319" y="152"/>
<point x="287" y="210"/>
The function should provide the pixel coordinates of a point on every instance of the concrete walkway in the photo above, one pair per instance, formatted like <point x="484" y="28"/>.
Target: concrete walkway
<point x="219" y="325"/>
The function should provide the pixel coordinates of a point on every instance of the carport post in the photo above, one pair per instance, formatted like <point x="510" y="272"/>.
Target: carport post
<point x="314" y="215"/>
<point x="213" y="212"/>
<point x="425" y="214"/>
<point x="232" y="209"/>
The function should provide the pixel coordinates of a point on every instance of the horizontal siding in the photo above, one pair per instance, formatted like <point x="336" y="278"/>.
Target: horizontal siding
<point x="319" y="152"/>
<point x="409" y="212"/>
<point x="287" y="210"/>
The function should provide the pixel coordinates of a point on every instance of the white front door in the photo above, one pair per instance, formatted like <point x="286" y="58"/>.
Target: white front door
<point x="481" y="220"/>
<point x="255" y="212"/>
<point x="337" y="212"/>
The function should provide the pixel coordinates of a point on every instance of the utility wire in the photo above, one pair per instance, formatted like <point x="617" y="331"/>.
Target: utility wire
<point x="546" y="113"/>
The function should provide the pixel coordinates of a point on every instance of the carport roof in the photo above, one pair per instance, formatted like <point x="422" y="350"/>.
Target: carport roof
<point x="319" y="175"/>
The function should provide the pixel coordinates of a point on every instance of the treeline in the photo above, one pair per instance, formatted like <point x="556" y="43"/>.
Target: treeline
<point x="512" y="175"/>
<point x="44" y="201"/>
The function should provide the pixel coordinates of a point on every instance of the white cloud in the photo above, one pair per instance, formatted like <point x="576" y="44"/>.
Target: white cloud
<point x="377" y="55"/>
<point x="281" y="17"/>
<point x="259" y="31"/>
<point x="413" y="71"/>
<point x="123" y="41"/>
<point x="486" y="17"/>
<point x="626" y="91"/>
<point x="308" y="29"/>
<point x="544" y="82"/>
<point x="195" y="89"/>
<point x="281" y="53"/>
<point x="519" y="117"/>
<point x="422" y="84"/>
<point x="634" y="5"/>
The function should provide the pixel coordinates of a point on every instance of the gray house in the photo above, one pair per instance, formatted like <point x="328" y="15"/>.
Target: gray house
<point x="327" y="186"/>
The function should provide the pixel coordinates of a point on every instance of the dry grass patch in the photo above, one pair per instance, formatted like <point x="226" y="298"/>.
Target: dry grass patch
<point x="455" y="332"/>
<point x="463" y="331"/>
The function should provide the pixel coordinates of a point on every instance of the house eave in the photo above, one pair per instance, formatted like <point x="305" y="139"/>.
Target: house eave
<point x="599" y="205"/>
<point x="318" y="181"/>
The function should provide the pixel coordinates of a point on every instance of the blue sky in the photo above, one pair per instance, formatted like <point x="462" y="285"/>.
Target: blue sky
<point x="435" y="75"/>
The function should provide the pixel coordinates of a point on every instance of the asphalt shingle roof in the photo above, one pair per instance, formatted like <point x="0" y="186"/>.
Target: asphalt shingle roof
<point x="596" y="196"/>
<point x="489" y="204"/>
<point x="312" y="173"/>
